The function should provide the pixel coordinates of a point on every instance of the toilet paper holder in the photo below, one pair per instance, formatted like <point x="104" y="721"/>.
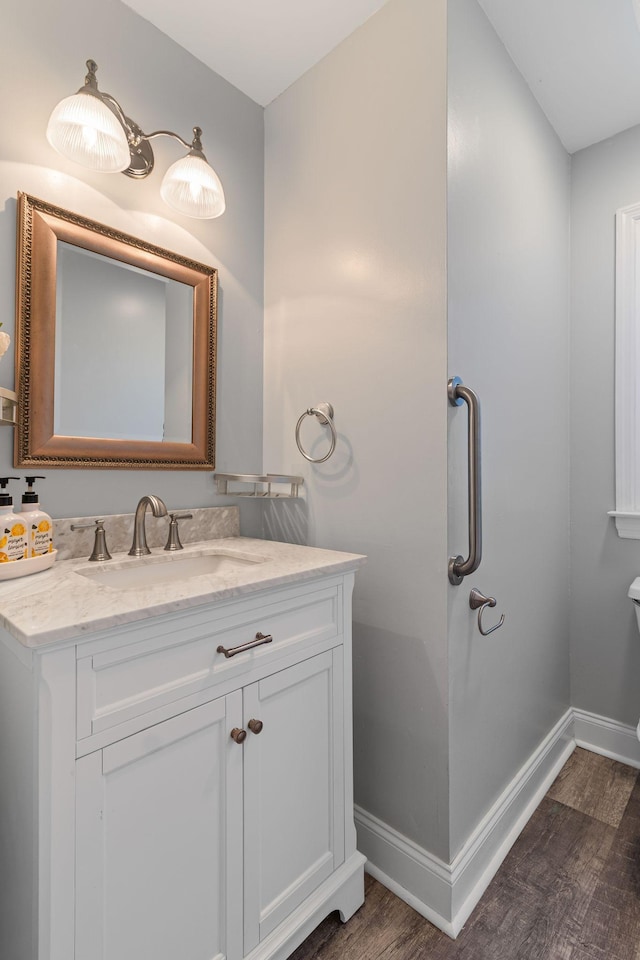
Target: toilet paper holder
<point x="478" y="601"/>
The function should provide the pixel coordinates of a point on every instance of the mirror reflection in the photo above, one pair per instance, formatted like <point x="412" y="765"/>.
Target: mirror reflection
<point x="122" y="326"/>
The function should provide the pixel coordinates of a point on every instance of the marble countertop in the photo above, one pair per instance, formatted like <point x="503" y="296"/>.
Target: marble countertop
<point x="61" y="604"/>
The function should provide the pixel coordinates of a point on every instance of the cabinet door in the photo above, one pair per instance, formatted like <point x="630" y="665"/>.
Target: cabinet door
<point x="294" y="789"/>
<point x="159" y="841"/>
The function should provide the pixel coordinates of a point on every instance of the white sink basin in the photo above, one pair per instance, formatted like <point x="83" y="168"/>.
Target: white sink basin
<point x="149" y="571"/>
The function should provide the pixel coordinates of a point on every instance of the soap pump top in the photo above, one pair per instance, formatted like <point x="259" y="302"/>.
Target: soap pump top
<point x="30" y="496"/>
<point x="6" y="500"/>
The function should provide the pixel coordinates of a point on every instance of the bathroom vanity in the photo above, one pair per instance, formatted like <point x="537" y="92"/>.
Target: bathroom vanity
<point x="165" y="794"/>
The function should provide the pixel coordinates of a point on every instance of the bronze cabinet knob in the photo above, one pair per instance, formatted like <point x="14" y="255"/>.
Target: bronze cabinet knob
<point x="255" y="726"/>
<point x="238" y="734"/>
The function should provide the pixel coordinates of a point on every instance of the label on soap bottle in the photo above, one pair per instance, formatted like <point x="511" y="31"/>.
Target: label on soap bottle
<point x="41" y="538"/>
<point x="13" y="543"/>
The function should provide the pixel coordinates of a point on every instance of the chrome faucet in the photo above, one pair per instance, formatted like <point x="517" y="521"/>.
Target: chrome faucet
<point x="139" y="546"/>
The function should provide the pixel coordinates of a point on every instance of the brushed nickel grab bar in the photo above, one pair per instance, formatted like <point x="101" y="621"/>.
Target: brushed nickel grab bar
<point x="458" y="566"/>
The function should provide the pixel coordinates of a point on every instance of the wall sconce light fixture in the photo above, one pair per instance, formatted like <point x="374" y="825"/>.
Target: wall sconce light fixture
<point x="92" y="129"/>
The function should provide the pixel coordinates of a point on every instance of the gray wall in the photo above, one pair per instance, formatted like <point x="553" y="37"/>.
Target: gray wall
<point x="161" y="86"/>
<point x="605" y="646"/>
<point x="356" y="315"/>
<point x="508" y="262"/>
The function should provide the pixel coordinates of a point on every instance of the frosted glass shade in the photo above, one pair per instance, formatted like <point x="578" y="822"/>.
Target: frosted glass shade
<point x="192" y="187"/>
<point x="83" y="128"/>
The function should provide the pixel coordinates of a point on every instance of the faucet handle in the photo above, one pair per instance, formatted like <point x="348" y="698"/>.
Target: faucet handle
<point x="173" y="540"/>
<point x="100" y="551"/>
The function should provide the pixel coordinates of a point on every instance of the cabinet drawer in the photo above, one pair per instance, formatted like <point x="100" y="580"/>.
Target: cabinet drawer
<point x="162" y="661"/>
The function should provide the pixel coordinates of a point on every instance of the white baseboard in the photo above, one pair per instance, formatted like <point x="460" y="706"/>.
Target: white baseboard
<point x="446" y="893"/>
<point x="608" y="737"/>
<point x="411" y="872"/>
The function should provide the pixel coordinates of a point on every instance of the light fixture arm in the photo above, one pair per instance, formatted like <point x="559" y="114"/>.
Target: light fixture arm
<point x="168" y="133"/>
<point x="116" y="108"/>
<point x="194" y="148"/>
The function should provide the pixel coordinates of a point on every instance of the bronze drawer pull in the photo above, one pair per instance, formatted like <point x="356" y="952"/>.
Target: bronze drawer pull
<point x="255" y="726"/>
<point x="238" y="734"/>
<point x="259" y="640"/>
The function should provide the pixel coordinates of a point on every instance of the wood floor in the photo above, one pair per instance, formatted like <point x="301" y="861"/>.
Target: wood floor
<point x="568" y="890"/>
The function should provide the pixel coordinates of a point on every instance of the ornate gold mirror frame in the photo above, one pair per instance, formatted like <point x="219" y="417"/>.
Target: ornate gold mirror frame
<point x="40" y="227"/>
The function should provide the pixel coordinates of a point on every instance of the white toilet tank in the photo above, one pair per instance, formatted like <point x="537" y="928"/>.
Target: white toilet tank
<point x="634" y="593"/>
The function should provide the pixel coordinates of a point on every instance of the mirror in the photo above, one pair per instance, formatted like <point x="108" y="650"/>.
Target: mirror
<point x="115" y="348"/>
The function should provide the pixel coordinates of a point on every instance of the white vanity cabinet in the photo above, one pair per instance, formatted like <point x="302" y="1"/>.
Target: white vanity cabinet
<point x="155" y="833"/>
<point x="293" y="790"/>
<point x="158" y="824"/>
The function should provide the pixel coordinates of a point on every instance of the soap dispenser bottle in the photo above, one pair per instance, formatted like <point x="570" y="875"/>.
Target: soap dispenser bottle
<point x="38" y="523"/>
<point x="14" y="544"/>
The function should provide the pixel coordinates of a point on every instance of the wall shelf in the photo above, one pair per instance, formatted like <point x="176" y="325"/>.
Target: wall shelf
<point x="268" y="486"/>
<point x="8" y="407"/>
